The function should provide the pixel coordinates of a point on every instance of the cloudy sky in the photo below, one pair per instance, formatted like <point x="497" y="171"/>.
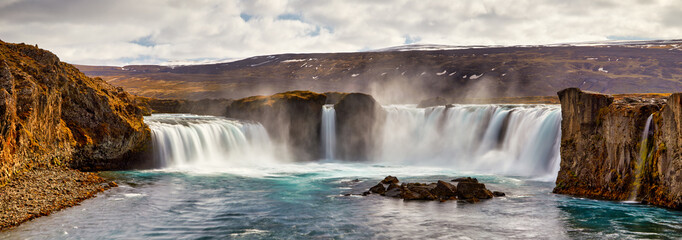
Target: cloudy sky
<point x="120" y="32"/>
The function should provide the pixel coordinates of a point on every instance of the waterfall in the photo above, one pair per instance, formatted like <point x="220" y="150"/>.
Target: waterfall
<point x="328" y="131"/>
<point x="518" y="140"/>
<point x="183" y="140"/>
<point x="644" y="150"/>
<point x="521" y="140"/>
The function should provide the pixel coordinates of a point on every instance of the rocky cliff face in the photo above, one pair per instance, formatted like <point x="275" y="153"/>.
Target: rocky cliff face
<point x="662" y="171"/>
<point x="603" y="154"/>
<point x="291" y="118"/>
<point x="50" y="113"/>
<point x="358" y="122"/>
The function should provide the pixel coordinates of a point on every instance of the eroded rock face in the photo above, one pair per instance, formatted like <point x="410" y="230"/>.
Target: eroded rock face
<point x="662" y="173"/>
<point x="291" y="118"/>
<point x="600" y="148"/>
<point x="53" y="114"/>
<point x="358" y="120"/>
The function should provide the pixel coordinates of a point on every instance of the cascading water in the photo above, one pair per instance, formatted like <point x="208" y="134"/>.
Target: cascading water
<point x="644" y="150"/>
<point x="520" y="140"/>
<point x="190" y="141"/>
<point x="328" y="131"/>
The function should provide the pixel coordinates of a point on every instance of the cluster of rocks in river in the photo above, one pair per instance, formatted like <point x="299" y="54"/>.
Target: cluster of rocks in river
<point x="467" y="189"/>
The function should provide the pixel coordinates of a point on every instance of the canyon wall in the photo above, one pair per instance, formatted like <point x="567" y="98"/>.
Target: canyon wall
<point x="52" y="114"/>
<point x="662" y="172"/>
<point x="606" y="155"/>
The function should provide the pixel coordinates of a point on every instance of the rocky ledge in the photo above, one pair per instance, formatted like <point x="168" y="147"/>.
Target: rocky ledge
<point x="467" y="189"/>
<point x="606" y="153"/>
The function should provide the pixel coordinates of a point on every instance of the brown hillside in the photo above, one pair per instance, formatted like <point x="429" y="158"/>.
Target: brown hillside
<point x="409" y="76"/>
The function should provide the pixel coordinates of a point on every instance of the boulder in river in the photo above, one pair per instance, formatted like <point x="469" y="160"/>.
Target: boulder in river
<point x="379" y="188"/>
<point x="467" y="189"/>
<point x="390" y="179"/>
<point x="444" y="190"/>
<point x="417" y="191"/>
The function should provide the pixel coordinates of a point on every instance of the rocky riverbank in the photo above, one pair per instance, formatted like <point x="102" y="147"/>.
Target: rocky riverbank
<point x="41" y="191"/>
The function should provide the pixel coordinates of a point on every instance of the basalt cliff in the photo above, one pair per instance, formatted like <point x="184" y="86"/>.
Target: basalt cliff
<point x="624" y="149"/>
<point x="52" y="114"/>
<point x="293" y="119"/>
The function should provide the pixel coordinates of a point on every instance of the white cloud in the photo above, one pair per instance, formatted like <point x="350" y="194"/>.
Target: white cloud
<point x="136" y="32"/>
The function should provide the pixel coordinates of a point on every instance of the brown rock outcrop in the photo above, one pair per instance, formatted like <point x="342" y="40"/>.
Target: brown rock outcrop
<point x="291" y="118"/>
<point x="473" y="190"/>
<point x="468" y="190"/>
<point x="600" y="148"/>
<point x="50" y="113"/>
<point x="358" y="120"/>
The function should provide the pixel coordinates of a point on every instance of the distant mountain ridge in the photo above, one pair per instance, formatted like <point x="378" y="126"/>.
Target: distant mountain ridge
<point x="414" y="72"/>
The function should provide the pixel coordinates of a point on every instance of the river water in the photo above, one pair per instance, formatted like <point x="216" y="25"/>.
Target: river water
<point x="221" y="178"/>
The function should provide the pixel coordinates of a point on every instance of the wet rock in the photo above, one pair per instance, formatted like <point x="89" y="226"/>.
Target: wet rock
<point x="465" y="179"/>
<point x="366" y="193"/>
<point x="393" y="192"/>
<point x="444" y="190"/>
<point x="390" y="179"/>
<point x="417" y="192"/>
<point x="379" y="188"/>
<point x="498" y="194"/>
<point x="392" y="186"/>
<point x="468" y="190"/>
